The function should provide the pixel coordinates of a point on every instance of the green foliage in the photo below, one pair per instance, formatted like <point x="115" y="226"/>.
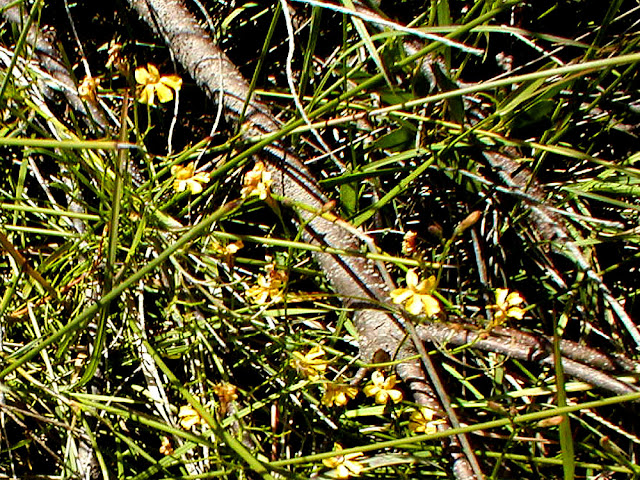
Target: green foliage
<point x="160" y="306"/>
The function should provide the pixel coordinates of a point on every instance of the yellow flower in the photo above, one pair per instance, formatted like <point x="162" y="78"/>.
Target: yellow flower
<point x="344" y="464"/>
<point x="226" y="393"/>
<point x="268" y="287"/>
<point x="310" y="365"/>
<point x="153" y="84"/>
<point x="338" y="394"/>
<point x="383" y="389"/>
<point x="165" y="447"/>
<point x="421" y="421"/>
<point x="188" y="417"/>
<point x="185" y="178"/>
<point x="257" y="182"/>
<point x="506" y="306"/>
<point x="417" y="295"/>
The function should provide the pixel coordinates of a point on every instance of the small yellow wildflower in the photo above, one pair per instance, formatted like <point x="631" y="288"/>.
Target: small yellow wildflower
<point x="311" y="365"/>
<point x="257" y="182"/>
<point x="88" y="88"/>
<point x="421" y="421"/>
<point x="506" y="306"/>
<point x="269" y="286"/>
<point x="153" y="84"/>
<point x="226" y="393"/>
<point x="338" y="394"/>
<point x="165" y="447"/>
<point x="417" y="295"/>
<point x="382" y="389"/>
<point x="188" y="417"/>
<point x="344" y="464"/>
<point x="185" y="178"/>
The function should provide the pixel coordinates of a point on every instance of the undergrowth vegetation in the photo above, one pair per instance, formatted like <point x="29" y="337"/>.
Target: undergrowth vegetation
<point x="163" y="318"/>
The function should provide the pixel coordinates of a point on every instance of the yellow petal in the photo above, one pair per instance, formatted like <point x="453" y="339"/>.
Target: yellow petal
<point x="399" y="295"/>
<point x="147" y="95"/>
<point x="501" y="296"/>
<point x="194" y="187"/>
<point x="354" y="467"/>
<point x="390" y="382"/>
<point x="165" y="94"/>
<point x="515" y="312"/>
<point x="142" y="76"/>
<point x="183" y="172"/>
<point x="179" y="185"/>
<point x="153" y="72"/>
<point x="332" y="462"/>
<point x="412" y="278"/>
<point x="414" y="305"/>
<point x="342" y="471"/>
<point x="396" y="395"/>
<point x="382" y="397"/>
<point x="378" y="378"/>
<point x="188" y="422"/>
<point x="431" y="305"/>
<point x="314" y="353"/>
<point x="371" y="390"/>
<point x="171" y="81"/>
<point x="202" y="177"/>
<point x="514" y="298"/>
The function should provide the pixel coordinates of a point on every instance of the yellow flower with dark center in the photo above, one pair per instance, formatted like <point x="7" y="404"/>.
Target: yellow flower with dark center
<point x="344" y="464"/>
<point x="165" y="86"/>
<point x="338" y="394"/>
<point x="186" y="179"/>
<point x="422" y="421"/>
<point x="506" y="306"/>
<point x="382" y="389"/>
<point x="189" y="418"/>
<point x="310" y="365"/>
<point x="417" y="296"/>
